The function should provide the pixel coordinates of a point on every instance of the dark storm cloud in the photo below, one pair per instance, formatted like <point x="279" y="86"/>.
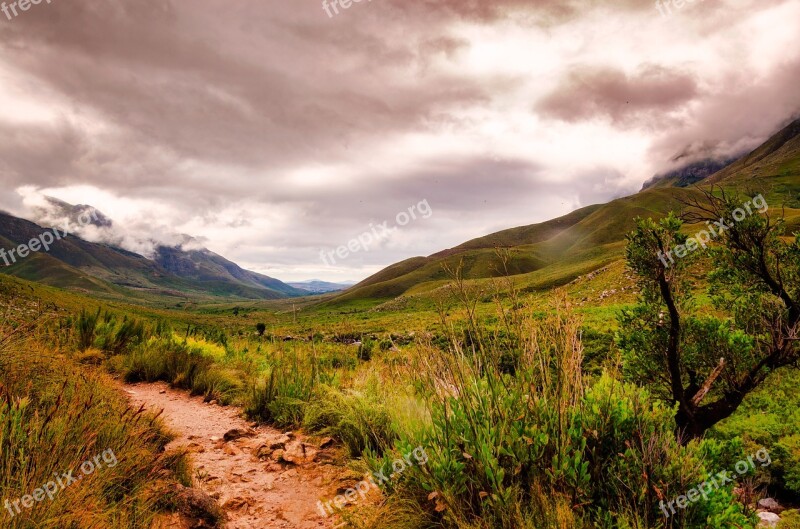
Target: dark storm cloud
<point x="590" y="92"/>
<point x="40" y="155"/>
<point x="166" y="85"/>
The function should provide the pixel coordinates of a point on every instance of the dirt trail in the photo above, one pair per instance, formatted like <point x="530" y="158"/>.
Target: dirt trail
<point x="263" y="480"/>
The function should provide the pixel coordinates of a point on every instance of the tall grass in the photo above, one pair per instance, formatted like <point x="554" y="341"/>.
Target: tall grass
<point x="53" y="417"/>
<point x="108" y="334"/>
<point x="186" y="367"/>
<point x="281" y="395"/>
<point x="357" y="418"/>
<point x="519" y="439"/>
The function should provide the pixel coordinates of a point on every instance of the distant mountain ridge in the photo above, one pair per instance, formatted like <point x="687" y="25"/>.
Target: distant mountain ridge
<point x="317" y="286"/>
<point x="108" y="270"/>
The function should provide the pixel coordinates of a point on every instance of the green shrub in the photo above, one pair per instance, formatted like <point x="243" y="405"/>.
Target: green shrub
<point x="168" y="361"/>
<point x="281" y="396"/>
<point x="768" y="417"/>
<point x="360" y="421"/>
<point x="540" y="448"/>
<point x="366" y="350"/>
<point x="216" y="383"/>
<point x="86" y="325"/>
<point x="789" y="520"/>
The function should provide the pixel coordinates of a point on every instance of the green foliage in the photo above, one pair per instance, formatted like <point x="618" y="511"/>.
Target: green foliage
<point x="108" y="333"/>
<point x="115" y="338"/>
<point x="281" y="396"/>
<point x="790" y="520"/>
<point x="704" y="364"/>
<point x="787" y="452"/>
<point x="651" y="242"/>
<point x="86" y="325"/>
<point x="523" y="450"/>
<point x="183" y="367"/>
<point x="366" y="349"/>
<point x="768" y="418"/>
<point x="358" y="419"/>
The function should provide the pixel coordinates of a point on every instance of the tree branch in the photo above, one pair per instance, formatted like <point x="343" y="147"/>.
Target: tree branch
<point x="698" y="398"/>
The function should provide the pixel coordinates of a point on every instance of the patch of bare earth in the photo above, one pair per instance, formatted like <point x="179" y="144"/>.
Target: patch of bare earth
<point x="261" y="477"/>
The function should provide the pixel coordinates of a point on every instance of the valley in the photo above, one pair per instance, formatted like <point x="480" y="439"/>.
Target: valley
<point x="454" y="264"/>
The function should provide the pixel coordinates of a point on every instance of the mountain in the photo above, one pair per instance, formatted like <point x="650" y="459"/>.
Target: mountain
<point x="215" y="272"/>
<point x="556" y="252"/>
<point x="74" y="263"/>
<point x="316" y="286"/>
<point x="689" y="174"/>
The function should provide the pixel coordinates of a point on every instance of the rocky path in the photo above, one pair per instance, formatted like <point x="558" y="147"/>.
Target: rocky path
<point x="262" y="478"/>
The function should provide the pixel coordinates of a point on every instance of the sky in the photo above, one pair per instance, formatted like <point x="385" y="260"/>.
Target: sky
<point x="275" y="132"/>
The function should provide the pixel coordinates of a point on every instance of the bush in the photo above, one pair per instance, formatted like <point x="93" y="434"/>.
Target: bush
<point x="281" y="396"/>
<point x="181" y="366"/>
<point x="768" y="417"/>
<point x="360" y="421"/>
<point x="86" y="325"/>
<point x="542" y="449"/>
<point x="216" y="383"/>
<point x="789" y="520"/>
<point x="366" y="349"/>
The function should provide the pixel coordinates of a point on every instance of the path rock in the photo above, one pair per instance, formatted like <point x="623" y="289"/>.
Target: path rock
<point x="199" y="506"/>
<point x="238" y="503"/>
<point x="231" y="450"/>
<point x="299" y="452"/>
<point x="768" y="519"/>
<point x="262" y="452"/>
<point x="237" y="433"/>
<point x="279" y="443"/>
<point x="770" y="505"/>
<point x="195" y="447"/>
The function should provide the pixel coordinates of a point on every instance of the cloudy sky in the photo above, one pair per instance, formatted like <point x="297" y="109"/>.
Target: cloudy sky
<point x="273" y="131"/>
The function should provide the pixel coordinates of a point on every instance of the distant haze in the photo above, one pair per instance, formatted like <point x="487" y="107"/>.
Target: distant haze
<point x="269" y="131"/>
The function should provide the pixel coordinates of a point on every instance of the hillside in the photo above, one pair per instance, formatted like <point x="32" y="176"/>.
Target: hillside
<point x="109" y="271"/>
<point x="557" y="251"/>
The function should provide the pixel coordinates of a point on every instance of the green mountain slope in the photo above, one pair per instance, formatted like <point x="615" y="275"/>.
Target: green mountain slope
<point x="556" y="252"/>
